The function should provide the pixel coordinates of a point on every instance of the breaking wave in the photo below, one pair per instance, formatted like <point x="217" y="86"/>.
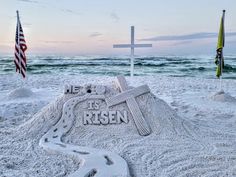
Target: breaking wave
<point x="177" y="66"/>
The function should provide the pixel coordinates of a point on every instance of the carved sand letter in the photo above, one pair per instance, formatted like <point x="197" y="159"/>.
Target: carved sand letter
<point x="87" y="117"/>
<point x="122" y="118"/>
<point x="104" y="118"/>
<point x="96" y="120"/>
<point x="129" y="96"/>
<point x="111" y="115"/>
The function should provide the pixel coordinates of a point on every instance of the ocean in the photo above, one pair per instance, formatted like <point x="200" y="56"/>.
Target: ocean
<point x="175" y="66"/>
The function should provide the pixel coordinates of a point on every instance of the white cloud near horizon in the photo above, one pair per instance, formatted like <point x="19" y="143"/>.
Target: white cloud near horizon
<point x="70" y="11"/>
<point x="114" y="17"/>
<point x="58" y="42"/>
<point x="29" y="1"/>
<point x="193" y="36"/>
<point x="95" y="34"/>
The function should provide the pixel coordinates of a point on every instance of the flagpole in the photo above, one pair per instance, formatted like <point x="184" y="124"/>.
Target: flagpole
<point x="18" y="31"/>
<point x="221" y="84"/>
<point x="221" y="66"/>
<point x="221" y="71"/>
<point x="18" y="42"/>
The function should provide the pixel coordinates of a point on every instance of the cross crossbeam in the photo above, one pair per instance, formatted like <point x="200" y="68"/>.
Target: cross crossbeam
<point x="131" y="45"/>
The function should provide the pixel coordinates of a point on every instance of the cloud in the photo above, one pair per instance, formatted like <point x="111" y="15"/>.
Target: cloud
<point x="58" y="42"/>
<point x="182" y="43"/>
<point x="203" y="35"/>
<point x="70" y="11"/>
<point x="114" y="17"/>
<point x="95" y="34"/>
<point x="29" y="1"/>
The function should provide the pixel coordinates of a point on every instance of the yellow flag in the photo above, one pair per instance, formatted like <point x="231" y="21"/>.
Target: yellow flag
<point x="219" y="60"/>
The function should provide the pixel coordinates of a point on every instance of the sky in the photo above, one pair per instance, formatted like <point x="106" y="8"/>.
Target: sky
<point x="91" y="27"/>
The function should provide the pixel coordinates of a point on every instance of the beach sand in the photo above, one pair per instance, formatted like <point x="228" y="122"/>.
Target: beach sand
<point x="197" y="139"/>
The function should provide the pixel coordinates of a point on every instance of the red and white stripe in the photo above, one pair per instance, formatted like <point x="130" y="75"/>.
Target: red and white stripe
<point x="20" y="48"/>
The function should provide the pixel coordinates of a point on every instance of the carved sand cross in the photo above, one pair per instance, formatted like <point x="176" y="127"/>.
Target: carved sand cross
<point x="129" y="96"/>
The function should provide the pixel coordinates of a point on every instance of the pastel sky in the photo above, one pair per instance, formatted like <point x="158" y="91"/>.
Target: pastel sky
<point x="91" y="27"/>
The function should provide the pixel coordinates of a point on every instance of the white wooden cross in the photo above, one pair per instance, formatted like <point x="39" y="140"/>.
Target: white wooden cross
<point x="131" y="46"/>
<point x="129" y="96"/>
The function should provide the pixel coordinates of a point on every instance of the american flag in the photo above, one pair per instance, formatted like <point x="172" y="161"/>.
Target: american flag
<point x="20" y="48"/>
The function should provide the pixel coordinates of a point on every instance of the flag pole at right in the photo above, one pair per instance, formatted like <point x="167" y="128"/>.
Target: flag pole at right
<point x="219" y="60"/>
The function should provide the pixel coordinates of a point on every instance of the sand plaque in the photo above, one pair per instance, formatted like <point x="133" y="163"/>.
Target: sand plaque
<point x="94" y="116"/>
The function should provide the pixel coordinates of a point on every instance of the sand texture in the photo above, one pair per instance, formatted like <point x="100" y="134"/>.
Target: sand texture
<point x="193" y="134"/>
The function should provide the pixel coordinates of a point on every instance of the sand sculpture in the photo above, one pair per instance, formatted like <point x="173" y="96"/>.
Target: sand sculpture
<point x="94" y="106"/>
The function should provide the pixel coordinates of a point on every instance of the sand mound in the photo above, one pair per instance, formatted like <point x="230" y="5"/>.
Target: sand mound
<point x="223" y="97"/>
<point x="20" y="93"/>
<point x="60" y="127"/>
<point x="160" y="116"/>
